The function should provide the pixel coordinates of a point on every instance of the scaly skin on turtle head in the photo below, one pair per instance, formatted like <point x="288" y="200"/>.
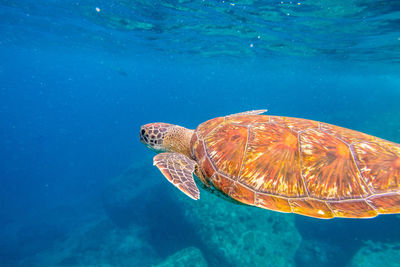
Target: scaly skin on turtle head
<point x="165" y="137"/>
<point x="153" y="134"/>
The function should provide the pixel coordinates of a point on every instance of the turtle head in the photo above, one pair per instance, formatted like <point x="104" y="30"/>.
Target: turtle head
<point x="165" y="137"/>
<point x="153" y="134"/>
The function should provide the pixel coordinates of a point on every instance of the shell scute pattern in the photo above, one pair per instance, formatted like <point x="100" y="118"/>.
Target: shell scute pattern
<point x="346" y="135"/>
<point x="247" y="120"/>
<point x="272" y="152"/>
<point x="353" y="209"/>
<point x="222" y="183"/>
<point x="206" y="127"/>
<point x="328" y="168"/>
<point x="388" y="203"/>
<point x="294" y="124"/>
<point x="297" y="165"/>
<point x="272" y="202"/>
<point x="242" y="194"/>
<point x="312" y="207"/>
<point x="226" y="153"/>
<point x="379" y="165"/>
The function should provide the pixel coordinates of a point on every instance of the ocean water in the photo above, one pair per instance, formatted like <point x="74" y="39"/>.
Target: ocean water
<point x="79" y="78"/>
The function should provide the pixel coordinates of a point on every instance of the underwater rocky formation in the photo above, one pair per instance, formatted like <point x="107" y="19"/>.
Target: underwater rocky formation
<point x="225" y="233"/>
<point x="190" y="257"/>
<point x="238" y="235"/>
<point x="98" y="244"/>
<point x="377" y="254"/>
<point x="148" y="222"/>
<point x="319" y="253"/>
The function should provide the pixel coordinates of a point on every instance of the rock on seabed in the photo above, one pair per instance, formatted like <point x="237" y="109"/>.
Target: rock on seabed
<point x="188" y="257"/>
<point x="239" y="235"/>
<point x="374" y="254"/>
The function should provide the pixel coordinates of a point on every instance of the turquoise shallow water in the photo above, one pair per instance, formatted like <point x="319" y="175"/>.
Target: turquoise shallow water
<point x="78" y="79"/>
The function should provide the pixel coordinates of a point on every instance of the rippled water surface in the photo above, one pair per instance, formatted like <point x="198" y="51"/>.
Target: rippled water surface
<point x="357" y="30"/>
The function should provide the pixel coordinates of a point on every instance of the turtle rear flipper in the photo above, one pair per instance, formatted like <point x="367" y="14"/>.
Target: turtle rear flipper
<point x="178" y="169"/>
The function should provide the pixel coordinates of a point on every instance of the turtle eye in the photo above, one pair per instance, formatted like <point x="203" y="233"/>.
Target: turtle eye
<point x="143" y="136"/>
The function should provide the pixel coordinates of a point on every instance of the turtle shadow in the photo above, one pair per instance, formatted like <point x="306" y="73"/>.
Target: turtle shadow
<point x="334" y="242"/>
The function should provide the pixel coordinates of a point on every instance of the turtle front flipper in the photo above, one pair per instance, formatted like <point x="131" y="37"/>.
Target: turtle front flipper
<point x="178" y="169"/>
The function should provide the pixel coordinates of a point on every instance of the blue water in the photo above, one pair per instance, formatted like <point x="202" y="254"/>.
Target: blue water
<point x="78" y="79"/>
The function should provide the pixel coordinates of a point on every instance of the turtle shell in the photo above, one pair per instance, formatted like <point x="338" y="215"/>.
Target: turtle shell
<point x="301" y="166"/>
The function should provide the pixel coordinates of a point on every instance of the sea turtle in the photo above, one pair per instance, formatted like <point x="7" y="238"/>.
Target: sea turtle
<point x="282" y="164"/>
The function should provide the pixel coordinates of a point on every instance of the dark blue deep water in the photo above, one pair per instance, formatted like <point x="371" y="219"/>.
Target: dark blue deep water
<point x="79" y="78"/>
